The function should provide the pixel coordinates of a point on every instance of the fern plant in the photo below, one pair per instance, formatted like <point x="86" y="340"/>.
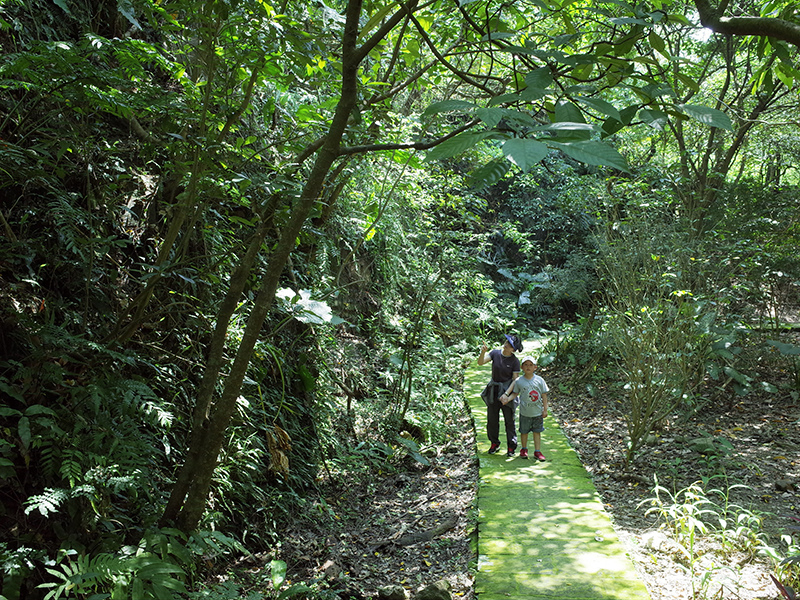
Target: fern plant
<point x="139" y="577"/>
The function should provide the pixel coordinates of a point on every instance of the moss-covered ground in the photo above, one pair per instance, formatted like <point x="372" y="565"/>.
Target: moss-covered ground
<point x="542" y="529"/>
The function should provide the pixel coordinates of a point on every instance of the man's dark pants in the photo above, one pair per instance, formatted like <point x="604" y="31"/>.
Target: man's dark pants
<point x="493" y="422"/>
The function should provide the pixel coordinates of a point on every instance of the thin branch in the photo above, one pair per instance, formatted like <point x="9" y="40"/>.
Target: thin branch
<point x="408" y="145"/>
<point x="9" y="232"/>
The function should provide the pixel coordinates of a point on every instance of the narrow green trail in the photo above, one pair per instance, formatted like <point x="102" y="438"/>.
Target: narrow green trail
<point x="542" y="530"/>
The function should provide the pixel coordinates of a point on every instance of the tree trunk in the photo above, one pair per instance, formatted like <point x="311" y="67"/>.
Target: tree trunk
<point x="214" y="364"/>
<point x="187" y="503"/>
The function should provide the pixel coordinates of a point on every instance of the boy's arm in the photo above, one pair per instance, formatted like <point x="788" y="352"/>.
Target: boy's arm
<point x="544" y="404"/>
<point x="510" y="390"/>
<point x="508" y="393"/>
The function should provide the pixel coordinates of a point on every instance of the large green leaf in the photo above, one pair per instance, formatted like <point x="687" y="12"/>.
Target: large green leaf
<point x="658" y="43"/>
<point x="568" y="112"/>
<point x="785" y="74"/>
<point x="522" y="118"/>
<point x="504" y="99"/>
<point x="593" y="153"/>
<point x="541" y="78"/>
<point x="307" y="310"/>
<point x="489" y="174"/>
<point x="449" y="106"/>
<point x="613" y="125"/>
<point x="602" y="106"/>
<point x="787" y="349"/>
<point x="413" y="450"/>
<point x="63" y="5"/>
<point x="498" y="35"/>
<point x="278" y="572"/>
<point x="490" y="116"/>
<point x="706" y="115"/>
<point x="688" y="82"/>
<point x="569" y="122"/>
<point x="524" y="153"/>
<point x="24" y="433"/>
<point x="629" y="21"/>
<point x="377" y="18"/>
<point x="530" y="94"/>
<point x="570" y="132"/>
<point x="610" y="127"/>
<point x="456" y="145"/>
<point x="655" y="118"/>
<point x="651" y="92"/>
<point x="567" y="126"/>
<point x="127" y="10"/>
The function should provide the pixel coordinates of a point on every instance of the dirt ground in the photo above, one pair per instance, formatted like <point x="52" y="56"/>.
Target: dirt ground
<point x="747" y="447"/>
<point x="415" y="527"/>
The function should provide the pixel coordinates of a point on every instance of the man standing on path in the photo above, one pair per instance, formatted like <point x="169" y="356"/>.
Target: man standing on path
<point x="505" y="369"/>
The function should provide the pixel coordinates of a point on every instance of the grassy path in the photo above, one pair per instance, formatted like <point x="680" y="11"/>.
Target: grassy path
<point x="542" y="530"/>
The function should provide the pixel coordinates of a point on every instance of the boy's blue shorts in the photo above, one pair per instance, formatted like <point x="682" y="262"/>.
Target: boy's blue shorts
<point x="531" y="424"/>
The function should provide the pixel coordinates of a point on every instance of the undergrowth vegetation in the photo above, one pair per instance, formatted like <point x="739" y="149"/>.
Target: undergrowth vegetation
<point x="715" y="536"/>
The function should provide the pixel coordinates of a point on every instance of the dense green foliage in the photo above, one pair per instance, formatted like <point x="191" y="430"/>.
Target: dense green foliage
<point x="228" y="273"/>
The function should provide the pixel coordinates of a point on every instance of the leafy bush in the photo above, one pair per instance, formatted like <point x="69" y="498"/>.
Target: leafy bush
<point x="660" y="332"/>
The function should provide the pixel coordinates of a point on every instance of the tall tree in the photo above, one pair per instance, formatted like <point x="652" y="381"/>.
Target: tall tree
<point x="552" y="104"/>
<point x="188" y="498"/>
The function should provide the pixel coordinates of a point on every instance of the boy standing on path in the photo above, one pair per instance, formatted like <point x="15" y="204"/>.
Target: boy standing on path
<point x="532" y="392"/>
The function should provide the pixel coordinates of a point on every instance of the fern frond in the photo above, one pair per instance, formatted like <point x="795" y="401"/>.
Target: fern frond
<point x="50" y="460"/>
<point x="46" y="503"/>
<point x="134" y="391"/>
<point x="83" y="574"/>
<point x="72" y="468"/>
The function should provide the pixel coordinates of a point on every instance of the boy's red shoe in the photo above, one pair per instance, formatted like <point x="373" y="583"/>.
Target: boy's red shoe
<point x="523" y="453"/>
<point x="494" y="448"/>
<point x="538" y="454"/>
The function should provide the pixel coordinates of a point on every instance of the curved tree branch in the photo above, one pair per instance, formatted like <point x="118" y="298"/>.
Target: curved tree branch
<point x="466" y="77"/>
<point x="405" y="11"/>
<point x="759" y="26"/>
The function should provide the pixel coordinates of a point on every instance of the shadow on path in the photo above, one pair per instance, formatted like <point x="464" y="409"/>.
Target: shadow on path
<point x="542" y="530"/>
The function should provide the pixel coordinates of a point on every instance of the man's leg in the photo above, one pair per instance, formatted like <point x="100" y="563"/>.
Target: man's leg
<point x="493" y="422"/>
<point x="509" y="412"/>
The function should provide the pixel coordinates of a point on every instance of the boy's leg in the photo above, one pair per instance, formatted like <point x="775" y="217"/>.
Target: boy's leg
<point x="537" y="443"/>
<point x="524" y="430"/>
<point x="537" y="428"/>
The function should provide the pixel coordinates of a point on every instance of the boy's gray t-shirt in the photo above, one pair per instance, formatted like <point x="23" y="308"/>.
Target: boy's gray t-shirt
<point x="530" y="395"/>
